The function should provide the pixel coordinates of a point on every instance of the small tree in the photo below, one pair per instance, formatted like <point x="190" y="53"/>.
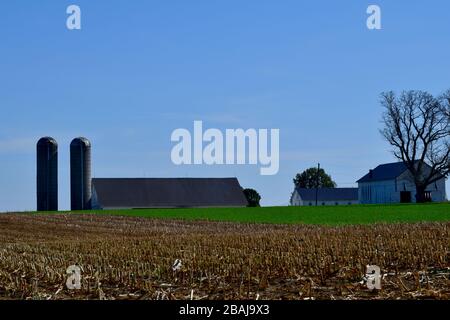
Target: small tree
<point x="311" y="178"/>
<point x="253" y="197"/>
<point x="417" y="125"/>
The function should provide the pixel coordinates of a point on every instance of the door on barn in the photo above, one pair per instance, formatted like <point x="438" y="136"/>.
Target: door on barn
<point x="405" y="197"/>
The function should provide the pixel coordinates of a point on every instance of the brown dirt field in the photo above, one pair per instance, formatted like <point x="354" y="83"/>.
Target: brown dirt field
<point x="131" y="258"/>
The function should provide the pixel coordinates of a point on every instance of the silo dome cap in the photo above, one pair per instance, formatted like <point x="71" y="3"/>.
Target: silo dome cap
<point x="47" y="140"/>
<point x="80" y="141"/>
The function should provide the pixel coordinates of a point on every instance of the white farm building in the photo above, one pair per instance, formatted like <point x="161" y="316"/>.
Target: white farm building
<point x="393" y="183"/>
<point x="324" y="196"/>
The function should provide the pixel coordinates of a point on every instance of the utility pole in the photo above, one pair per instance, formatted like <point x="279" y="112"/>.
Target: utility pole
<point x="317" y="182"/>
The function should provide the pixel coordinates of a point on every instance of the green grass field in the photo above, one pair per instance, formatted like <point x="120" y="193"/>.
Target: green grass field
<point x="327" y="215"/>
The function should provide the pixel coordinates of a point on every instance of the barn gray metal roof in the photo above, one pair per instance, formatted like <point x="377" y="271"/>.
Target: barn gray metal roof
<point x="386" y="171"/>
<point x="328" y="194"/>
<point x="168" y="192"/>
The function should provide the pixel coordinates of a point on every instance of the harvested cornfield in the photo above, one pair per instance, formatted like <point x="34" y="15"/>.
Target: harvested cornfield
<point x="133" y="258"/>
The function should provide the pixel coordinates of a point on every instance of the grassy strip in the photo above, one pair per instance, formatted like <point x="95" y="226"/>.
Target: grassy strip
<point x="326" y="215"/>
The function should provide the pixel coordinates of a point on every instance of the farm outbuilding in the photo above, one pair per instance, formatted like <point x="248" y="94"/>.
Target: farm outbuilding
<point x="325" y="196"/>
<point x="393" y="183"/>
<point x="141" y="193"/>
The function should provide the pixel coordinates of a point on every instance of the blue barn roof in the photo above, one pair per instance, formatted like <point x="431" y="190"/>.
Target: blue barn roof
<point x="328" y="194"/>
<point x="387" y="171"/>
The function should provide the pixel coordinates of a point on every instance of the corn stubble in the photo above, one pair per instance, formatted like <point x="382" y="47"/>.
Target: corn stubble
<point x="132" y="258"/>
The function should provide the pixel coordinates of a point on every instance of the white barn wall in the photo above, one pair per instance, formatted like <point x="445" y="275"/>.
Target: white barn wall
<point x="297" y="200"/>
<point x="330" y="203"/>
<point x="440" y="192"/>
<point x="437" y="189"/>
<point x="378" y="192"/>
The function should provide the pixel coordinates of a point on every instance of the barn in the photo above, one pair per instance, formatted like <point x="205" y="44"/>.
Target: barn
<point x="393" y="183"/>
<point x="141" y="193"/>
<point x="325" y="196"/>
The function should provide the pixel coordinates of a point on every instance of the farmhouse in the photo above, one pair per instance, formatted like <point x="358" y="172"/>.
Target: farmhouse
<point x="325" y="196"/>
<point x="393" y="183"/>
<point x="141" y="193"/>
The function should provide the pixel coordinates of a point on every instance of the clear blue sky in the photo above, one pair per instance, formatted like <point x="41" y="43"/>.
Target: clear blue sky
<point x="140" y="69"/>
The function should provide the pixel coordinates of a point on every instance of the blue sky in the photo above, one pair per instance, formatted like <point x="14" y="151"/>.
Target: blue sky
<point x="140" y="69"/>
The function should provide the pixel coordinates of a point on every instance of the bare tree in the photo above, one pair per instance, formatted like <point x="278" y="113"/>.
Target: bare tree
<point x="417" y="125"/>
<point x="446" y="102"/>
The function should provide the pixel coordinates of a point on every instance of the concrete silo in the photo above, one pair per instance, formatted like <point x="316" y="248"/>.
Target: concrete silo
<point x="47" y="174"/>
<point x="80" y="174"/>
